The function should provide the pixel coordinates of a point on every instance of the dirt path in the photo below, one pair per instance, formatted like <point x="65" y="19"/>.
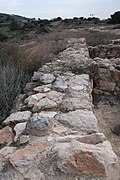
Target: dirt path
<point x="109" y="117"/>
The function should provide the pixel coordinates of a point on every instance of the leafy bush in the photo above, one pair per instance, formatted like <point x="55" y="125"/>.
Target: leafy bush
<point x="115" y="18"/>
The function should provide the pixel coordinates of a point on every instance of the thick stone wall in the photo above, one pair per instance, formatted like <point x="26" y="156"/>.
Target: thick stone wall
<point x="52" y="132"/>
<point x="105" y="51"/>
<point x="106" y="79"/>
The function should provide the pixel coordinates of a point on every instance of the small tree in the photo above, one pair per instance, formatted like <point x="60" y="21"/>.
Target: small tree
<point x="115" y="18"/>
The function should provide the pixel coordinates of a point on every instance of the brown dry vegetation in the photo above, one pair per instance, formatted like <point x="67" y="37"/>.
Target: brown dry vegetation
<point x="93" y="37"/>
<point x="17" y="66"/>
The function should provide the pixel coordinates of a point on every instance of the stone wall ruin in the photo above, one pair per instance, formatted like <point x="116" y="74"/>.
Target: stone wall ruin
<point x="52" y="133"/>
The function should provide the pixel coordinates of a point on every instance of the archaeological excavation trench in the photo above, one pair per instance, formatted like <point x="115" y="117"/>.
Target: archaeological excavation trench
<point x="65" y="126"/>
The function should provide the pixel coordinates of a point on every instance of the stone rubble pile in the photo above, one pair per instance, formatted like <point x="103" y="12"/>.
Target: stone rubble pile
<point x="53" y="134"/>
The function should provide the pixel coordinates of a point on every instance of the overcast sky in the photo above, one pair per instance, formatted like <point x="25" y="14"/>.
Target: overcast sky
<point x="65" y="8"/>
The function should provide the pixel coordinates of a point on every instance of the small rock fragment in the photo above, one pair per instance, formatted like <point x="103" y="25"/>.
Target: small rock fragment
<point x="60" y="84"/>
<point x="39" y="126"/>
<point x="47" y="78"/>
<point x="49" y="114"/>
<point x="19" y="129"/>
<point x="24" y="139"/>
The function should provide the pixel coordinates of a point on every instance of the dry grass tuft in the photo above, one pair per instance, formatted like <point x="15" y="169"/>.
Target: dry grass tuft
<point x="17" y="66"/>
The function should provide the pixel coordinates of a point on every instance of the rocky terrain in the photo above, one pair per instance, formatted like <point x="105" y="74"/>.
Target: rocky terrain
<point x="52" y="132"/>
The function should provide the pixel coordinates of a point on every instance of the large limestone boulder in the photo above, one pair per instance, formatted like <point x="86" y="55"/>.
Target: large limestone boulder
<point x="90" y="161"/>
<point x="55" y="96"/>
<point x="18" y="117"/>
<point x="71" y="104"/>
<point x="82" y="120"/>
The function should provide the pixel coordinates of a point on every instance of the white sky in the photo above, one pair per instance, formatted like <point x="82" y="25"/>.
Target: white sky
<point x="64" y="8"/>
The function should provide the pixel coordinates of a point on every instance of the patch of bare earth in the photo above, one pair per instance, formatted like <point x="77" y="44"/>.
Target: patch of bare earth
<point x="109" y="118"/>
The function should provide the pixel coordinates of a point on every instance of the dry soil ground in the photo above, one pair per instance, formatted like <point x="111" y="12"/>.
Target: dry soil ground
<point x="109" y="117"/>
